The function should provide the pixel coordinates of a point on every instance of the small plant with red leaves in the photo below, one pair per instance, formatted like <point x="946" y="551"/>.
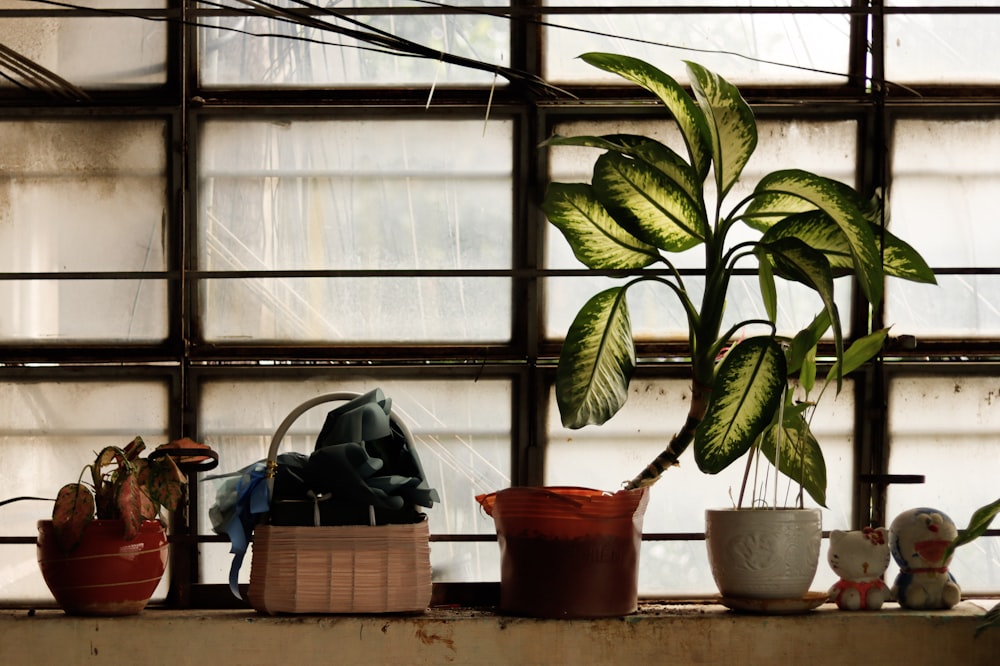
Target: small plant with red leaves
<point x="123" y="486"/>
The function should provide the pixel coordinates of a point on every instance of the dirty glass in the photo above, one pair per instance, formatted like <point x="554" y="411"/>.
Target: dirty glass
<point x="120" y="46"/>
<point x="83" y="196"/>
<point x="256" y="50"/>
<point x="373" y="196"/>
<point x="792" y="47"/>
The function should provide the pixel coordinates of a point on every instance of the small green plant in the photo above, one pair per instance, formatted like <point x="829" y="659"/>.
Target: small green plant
<point x="123" y="486"/>
<point x="646" y="202"/>
<point x="978" y="524"/>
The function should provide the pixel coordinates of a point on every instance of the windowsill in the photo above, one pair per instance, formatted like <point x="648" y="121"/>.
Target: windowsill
<point x="688" y="633"/>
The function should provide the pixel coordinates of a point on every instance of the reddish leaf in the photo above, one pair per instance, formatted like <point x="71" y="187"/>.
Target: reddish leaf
<point x="134" y="448"/>
<point x="130" y="503"/>
<point x="165" y="482"/>
<point x="72" y="512"/>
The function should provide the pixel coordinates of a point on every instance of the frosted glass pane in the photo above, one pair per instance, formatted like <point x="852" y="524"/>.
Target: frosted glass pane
<point x="945" y="427"/>
<point x="960" y="306"/>
<point x="827" y="148"/>
<point x="946" y="175"/>
<point x="48" y="431"/>
<point x="58" y="311"/>
<point x="357" y="195"/>
<point x="282" y="53"/>
<point x="82" y="195"/>
<point x="807" y="44"/>
<point x="110" y="52"/>
<point x="462" y="431"/>
<point x="305" y="194"/>
<point x="340" y="310"/>
<point x="937" y="48"/>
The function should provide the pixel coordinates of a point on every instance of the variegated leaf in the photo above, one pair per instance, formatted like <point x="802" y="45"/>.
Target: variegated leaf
<point x="902" y="261"/>
<point x="829" y="196"/>
<point x="651" y="206"/>
<point x="72" y="511"/>
<point x="597" y="361"/>
<point x="690" y="119"/>
<point x="747" y="391"/>
<point x="731" y="125"/>
<point x="795" y="260"/>
<point x="129" y="503"/>
<point x="597" y="240"/>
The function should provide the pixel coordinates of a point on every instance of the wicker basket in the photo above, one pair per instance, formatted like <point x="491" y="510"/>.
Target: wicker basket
<point x="338" y="569"/>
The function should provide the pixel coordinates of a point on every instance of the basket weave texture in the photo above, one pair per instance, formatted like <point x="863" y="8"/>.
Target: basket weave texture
<point x="343" y="568"/>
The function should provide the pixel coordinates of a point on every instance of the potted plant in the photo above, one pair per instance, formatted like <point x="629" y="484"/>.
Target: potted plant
<point x="105" y="548"/>
<point x="646" y="202"/>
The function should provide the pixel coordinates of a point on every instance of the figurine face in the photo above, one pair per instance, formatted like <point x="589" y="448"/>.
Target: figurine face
<point x="919" y="538"/>
<point x="860" y="555"/>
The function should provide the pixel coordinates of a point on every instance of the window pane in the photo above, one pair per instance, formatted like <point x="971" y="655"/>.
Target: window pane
<point x="808" y="44"/>
<point x="944" y="427"/>
<point x="938" y="48"/>
<point x="357" y="195"/>
<point x="945" y="176"/>
<point x="827" y="148"/>
<point x="463" y="437"/>
<point x="253" y="51"/>
<point x="605" y="457"/>
<point x="82" y="196"/>
<point x="48" y="431"/>
<point x="107" y="52"/>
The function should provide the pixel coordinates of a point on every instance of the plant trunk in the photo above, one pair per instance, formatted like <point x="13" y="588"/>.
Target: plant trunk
<point x="668" y="458"/>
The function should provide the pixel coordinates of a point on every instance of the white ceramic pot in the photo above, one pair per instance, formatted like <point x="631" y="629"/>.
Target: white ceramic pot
<point x="763" y="553"/>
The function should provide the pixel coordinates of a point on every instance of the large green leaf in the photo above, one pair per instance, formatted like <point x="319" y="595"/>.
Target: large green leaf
<point x="795" y="260"/>
<point x="785" y="191"/>
<point x="597" y="361"/>
<point x="597" y="240"/>
<point x="805" y="341"/>
<point x="646" y="203"/>
<point x="818" y="231"/>
<point x="801" y="458"/>
<point x="654" y="153"/>
<point x="860" y="352"/>
<point x="731" y="125"/>
<point x="689" y="117"/>
<point x="747" y="391"/>
<point x="900" y="260"/>
<point x="978" y="524"/>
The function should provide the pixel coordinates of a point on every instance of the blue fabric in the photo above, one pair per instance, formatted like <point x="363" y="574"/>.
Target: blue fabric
<point x="252" y="500"/>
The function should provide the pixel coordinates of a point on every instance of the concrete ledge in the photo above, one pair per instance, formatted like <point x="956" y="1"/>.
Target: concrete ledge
<point x="660" y="633"/>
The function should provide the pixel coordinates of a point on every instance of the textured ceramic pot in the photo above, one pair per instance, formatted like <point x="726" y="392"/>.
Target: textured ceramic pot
<point x="105" y="574"/>
<point x="568" y="552"/>
<point x="763" y="553"/>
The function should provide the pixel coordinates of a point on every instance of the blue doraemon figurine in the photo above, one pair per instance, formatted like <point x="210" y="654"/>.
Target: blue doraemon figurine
<point x="918" y="540"/>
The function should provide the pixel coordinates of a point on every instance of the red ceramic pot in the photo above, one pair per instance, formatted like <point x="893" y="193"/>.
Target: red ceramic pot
<point x="105" y="574"/>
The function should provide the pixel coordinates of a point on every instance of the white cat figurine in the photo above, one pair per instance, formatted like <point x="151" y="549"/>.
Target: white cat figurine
<point x="860" y="558"/>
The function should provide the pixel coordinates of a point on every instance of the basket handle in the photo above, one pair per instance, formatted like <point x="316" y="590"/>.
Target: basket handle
<point x="279" y="434"/>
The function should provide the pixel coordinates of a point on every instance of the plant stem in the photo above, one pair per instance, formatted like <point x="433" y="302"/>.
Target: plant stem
<point x="700" y="394"/>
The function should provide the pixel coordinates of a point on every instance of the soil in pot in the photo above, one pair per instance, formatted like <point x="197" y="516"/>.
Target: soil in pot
<point x="105" y="574"/>
<point x="568" y="552"/>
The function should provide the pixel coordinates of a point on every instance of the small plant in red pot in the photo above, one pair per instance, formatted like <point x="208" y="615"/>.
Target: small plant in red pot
<point x="105" y="549"/>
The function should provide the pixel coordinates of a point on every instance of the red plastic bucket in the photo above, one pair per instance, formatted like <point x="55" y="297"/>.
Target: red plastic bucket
<point x="568" y="552"/>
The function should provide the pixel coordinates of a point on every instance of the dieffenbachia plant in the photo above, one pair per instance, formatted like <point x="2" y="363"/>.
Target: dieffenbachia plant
<point x="645" y="202"/>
